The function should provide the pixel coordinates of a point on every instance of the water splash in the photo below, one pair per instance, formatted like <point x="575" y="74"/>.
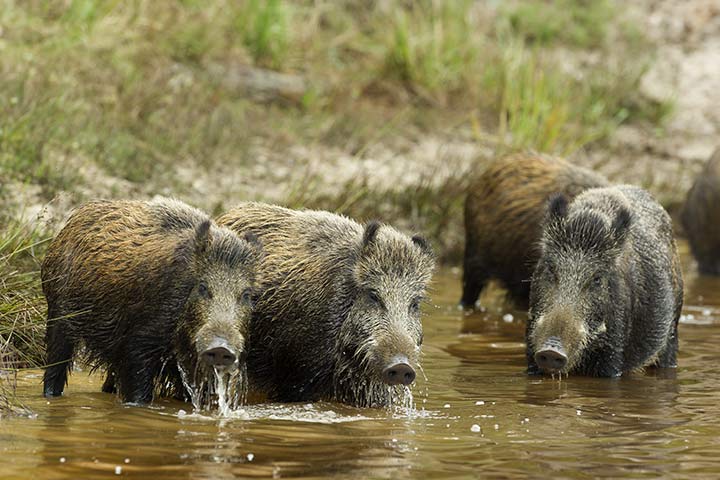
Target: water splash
<point x="402" y="402"/>
<point x="221" y="389"/>
<point x="226" y="390"/>
<point x="422" y="370"/>
<point x="192" y="390"/>
<point x="231" y="391"/>
<point x="319" y="413"/>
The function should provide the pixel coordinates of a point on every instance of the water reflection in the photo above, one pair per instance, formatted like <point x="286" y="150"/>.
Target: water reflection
<point x="478" y="415"/>
<point x="87" y="434"/>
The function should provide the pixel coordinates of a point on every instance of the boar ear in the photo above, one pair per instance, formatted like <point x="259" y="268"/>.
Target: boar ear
<point x="254" y="241"/>
<point x="424" y="245"/>
<point x="202" y="236"/>
<point x="557" y="205"/>
<point x="621" y="224"/>
<point x="371" y="229"/>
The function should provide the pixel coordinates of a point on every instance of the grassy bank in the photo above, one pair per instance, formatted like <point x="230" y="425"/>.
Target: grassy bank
<point x="116" y="99"/>
<point x="22" y="307"/>
<point x="138" y="87"/>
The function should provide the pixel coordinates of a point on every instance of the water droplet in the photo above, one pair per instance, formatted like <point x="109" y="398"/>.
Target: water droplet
<point x="447" y="405"/>
<point x="496" y="426"/>
<point x="475" y="428"/>
<point x="63" y="460"/>
<point x="479" y="402"/>
<point x="250" y="457"/>
<point x="127" y="460"/>
<point x="181" y="413"/>
<point x="118" y="470"/>
<point x="507" y="318"/>
<point x="578" y="412"/>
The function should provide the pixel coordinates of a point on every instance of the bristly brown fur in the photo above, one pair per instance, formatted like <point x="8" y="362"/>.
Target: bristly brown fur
<point x="700" y="217"/>
<point x="339" y="302"/>
<point x="504" y="209"/>
<point x="121" y="278"/>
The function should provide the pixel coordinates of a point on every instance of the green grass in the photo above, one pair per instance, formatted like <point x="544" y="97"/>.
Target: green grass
<point x="432" y="48"/>
<point x="126" y="85"/>
<point x="413" y="208"/>
<point x="263" y="27"/>
<point x="578" y="23"/>
<point x="22" y="307"/>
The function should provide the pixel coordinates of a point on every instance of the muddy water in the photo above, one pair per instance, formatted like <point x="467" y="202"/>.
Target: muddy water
<point x="476" y="415"/>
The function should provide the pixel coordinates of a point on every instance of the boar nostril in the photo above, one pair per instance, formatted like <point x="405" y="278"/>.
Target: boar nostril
<point x="552" y="359"/>
<point x="398" y="374"/>
<point x="218" y="357"/>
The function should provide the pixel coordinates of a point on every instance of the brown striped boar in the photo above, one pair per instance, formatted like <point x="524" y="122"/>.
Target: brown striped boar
<point x="701" y="217"/>
<point x="504" y="210"/>
<point x="154" y="292"/>
<point x="339" y="316"/>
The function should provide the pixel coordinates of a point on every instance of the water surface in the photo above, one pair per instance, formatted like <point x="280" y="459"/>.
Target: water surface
<point x="476" y="415"/>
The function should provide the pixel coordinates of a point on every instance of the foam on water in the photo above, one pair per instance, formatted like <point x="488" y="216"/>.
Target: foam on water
<point x="308" y="413"/>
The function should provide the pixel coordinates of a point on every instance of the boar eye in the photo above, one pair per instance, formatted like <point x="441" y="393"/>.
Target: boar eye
<point x="374" y="296"/>
<point x="203" y="290"/>
<point x="246" y="297"/>
<point x="415" y="305"/>
<point x="597" y="280"/>
<point x="551" y="270"/>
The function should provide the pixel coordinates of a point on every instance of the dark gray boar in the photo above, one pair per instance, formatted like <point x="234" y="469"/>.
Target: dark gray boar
<point x="607" y="291"/>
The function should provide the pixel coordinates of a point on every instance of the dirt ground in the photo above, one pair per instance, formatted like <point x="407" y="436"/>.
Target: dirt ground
<point x="686" y="69"/>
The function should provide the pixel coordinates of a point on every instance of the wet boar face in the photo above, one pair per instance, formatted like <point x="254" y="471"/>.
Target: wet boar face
<point x="576" y="295"/>
<point x="212" y="336"/>
<point x="379" y="343"/>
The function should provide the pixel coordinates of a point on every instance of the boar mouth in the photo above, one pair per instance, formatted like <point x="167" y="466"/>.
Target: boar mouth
<point x="209" y="387"/>
<point x="398" y="372"/>
<point x="363" y="380"/>
<point x="215" y="375"/>
<point x="219" y="355"/>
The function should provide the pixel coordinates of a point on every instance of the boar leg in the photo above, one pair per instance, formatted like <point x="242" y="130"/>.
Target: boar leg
<point x="474" y="280"/>
<point x="136" y="381"/>
<point x="58" y="356"/>
<point x="668" y="357"/>
<point x="109" y="385"/>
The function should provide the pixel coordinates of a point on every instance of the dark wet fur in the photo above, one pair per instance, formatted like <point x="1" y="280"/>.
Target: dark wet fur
<point x="317" y="267"/>
<point x="642" y="294"/>
<point x="125" y="301"/>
